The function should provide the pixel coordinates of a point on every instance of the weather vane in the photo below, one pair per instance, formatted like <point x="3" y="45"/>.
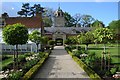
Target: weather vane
<point x="59" y="5"/>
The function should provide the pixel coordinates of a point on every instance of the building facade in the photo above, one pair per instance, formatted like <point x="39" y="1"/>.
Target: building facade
<point x="56" y="32"/>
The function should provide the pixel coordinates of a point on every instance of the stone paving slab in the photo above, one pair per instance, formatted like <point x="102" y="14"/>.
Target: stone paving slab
<point x="60" y="65"/>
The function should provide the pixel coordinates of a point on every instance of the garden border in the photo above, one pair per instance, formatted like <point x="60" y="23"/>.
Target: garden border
<point x="34" y="69"/>
<point x="90" y="72"/>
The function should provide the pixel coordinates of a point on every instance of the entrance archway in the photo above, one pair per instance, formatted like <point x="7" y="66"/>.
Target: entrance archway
<point x="59" y="41"/>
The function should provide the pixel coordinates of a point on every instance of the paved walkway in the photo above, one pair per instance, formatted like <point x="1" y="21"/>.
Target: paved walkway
<point x="60" y="65"/>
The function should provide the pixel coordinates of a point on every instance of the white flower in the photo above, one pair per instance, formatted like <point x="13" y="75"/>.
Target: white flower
<point x="11" y="70"/>
<point x="74" y="50"/>
<point x="20" y="70"/>
<point x="83" y="55"/>
<point x="5" y="75"/>
<point x="1" y="72"/>
<point x="6" y="72"/>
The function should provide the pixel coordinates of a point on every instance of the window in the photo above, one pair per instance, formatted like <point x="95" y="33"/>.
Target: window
<point x="2" y="23"/>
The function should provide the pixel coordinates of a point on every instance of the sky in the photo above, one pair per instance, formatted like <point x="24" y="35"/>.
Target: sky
<point x="98" y="9"/>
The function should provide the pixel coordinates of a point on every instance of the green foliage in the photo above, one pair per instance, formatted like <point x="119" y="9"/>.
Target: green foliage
<point x="25" y="10"/>
<point x="86" y="38"/>
<point x="71" y="40"/>
<point x="113" y="70"/>
<point x="15" y="34"/>
<point x="33" y="70"/>
<point x="28" y="10"/>
<point x="77" y="19"/>
<point x="51" y="42"/>
<point x="77" y="53"/>
<point x="69" y="20"/>
<point x="97" y="24"/>
<point x="44" y="40"/>
<point x="103" y="35"/>
<point x="4" y="57"/>
<point x="28" y="54"/>
<point x="86" y="20"/>
<point x="93" y="61"/>
<point x="89" y="71"/>
<point x="15" y="75"/>
<point x="41" y="54"/>
<point x="35" y="37"/>
<point x="115" y="25"/>
<point x="47" y="22"/>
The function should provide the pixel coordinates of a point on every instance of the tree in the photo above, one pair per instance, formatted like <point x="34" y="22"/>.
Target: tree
<point x="28" y="10"/>
<point x="48" y="17"/>
<point x="49" y="12"/>
<point x="71" y="40"/>
<point x="4" y="15"/>
<point x="86" y="20"/>
<point x="44" y="40"/>
<point x="77" y="18"/>
<point x="103" y="35"/>
<point x="115" y="26"/>
<point x="35" y="37"/>
<point x="86" y="38"/>
<point x="25" y="10"/>
<point x="47" y="22"/>
<point x="36" y="9"/>
<point x="51" y="43"/>
<point x="69" y="20"/>
<point x="14" y="35"/>
<point x="97" y="24"/>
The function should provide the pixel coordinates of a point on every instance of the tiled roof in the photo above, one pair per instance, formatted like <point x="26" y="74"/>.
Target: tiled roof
<point x="67" y="30"/>
<point x="30" y="22"/>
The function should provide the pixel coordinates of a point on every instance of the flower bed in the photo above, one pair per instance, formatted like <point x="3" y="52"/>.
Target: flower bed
<point x="89" y="71"/>
<point x="100" y="65"/>
<point x="33" y="70"/>
<point x="25" y="62"/>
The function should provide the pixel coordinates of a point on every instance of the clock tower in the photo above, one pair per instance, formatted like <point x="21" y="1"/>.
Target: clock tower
<point x="59" y="20"/>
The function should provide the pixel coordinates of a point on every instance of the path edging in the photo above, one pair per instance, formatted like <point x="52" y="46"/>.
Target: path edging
<point x="90" y="72"/>
<point x="34" y="69"/>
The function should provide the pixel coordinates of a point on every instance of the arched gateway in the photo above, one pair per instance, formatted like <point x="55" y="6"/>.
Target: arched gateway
<point x="59" y="37"/>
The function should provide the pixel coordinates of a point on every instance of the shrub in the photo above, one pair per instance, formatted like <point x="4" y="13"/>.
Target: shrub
<point x="77" y="53"/>
<point x="89" y="71"/>
<point x="51" y="42"/>
<point x="21" y="59"/>
<point x="15" y="75"/>
<point x="41" y="54"/>
<point x="5" y="57"/>
<point x="28" y="54"/>
<point x="33" y="70"/>
<point x="113" y="70"/>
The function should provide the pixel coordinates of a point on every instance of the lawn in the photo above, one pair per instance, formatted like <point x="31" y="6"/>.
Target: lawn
<point x="8" y="61"/>
<point x="111" y="48"/>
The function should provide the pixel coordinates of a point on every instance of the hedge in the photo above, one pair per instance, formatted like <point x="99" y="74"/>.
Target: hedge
<point x="89" y="71"/>
<point x="35" y="68"/>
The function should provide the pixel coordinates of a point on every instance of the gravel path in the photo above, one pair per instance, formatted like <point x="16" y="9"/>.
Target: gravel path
<point x="61" y="65"/>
